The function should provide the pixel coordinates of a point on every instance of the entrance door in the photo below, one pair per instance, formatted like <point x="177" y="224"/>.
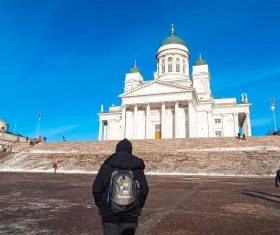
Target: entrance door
<point x="157" y="131"/>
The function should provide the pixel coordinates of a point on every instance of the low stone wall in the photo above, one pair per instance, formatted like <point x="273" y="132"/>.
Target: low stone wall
<point x="11" y="138"/>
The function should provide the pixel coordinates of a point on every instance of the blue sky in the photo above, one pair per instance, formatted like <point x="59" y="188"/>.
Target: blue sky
<point x="65" y="57"/>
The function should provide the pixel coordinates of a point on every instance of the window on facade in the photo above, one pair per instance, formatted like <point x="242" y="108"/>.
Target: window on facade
<point x="170" y="68"/>
<point x="158" y="127"/>
<point x="162" y="61"/>
<point x="184" y="68"/>
<point x="177" y="59"/>
<point x="163" y="68"/>
<point x="218" y="121"/>
<point x="177" y="68"/>
<point x="218" y="133"/>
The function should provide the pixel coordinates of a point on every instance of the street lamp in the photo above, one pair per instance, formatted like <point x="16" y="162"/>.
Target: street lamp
<point x="272" y="102"/>
<point x="39" y="118"/>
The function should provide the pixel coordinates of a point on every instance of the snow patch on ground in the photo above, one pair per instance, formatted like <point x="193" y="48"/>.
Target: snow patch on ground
<point x="232" y="149"/>
<point x="51" y="151"/>
<point x="147" y="173"/>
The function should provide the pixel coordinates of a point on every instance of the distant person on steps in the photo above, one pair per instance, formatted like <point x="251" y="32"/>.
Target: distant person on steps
<point x="120" y="190"/>
<point x="277" y="178"/>
<point x="55" y="166"/>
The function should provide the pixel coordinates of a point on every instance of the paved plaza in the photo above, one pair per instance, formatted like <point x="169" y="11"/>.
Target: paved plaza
<point x="33" y="203"/>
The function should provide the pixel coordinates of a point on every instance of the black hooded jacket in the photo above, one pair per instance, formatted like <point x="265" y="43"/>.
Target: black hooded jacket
<point x="122" y="159"/>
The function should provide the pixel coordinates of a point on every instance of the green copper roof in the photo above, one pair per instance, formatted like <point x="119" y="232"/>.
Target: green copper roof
<point x="200" y="61"/>
<point x="172" y="39"/>
<point x="135" y="69"/>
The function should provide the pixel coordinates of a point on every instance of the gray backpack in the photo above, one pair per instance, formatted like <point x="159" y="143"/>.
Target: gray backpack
<point x="123" y="193"/>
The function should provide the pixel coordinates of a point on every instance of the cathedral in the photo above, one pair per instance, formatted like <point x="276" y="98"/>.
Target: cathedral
<point x="175" y="104"/>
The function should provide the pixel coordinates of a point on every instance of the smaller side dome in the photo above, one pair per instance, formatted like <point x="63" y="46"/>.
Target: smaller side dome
<point x="200" y="61"/>
<point x="135" y="69"/>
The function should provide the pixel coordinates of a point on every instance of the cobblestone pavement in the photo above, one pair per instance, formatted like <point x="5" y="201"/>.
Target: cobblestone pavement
<point x="32" y="203"/>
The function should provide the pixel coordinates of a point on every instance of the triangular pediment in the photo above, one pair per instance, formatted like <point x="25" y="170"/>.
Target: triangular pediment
<point x="155" y="87"/>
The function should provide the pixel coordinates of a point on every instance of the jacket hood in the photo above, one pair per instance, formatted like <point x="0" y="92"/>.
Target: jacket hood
<point x="123" y="157"/>
<point x="124" y="146"/>
<point x="123" y="160"/>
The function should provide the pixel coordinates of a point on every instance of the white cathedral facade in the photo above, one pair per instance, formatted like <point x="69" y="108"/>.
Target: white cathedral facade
<point x="174" y="104"/>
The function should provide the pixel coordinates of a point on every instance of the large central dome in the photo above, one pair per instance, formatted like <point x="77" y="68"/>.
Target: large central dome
<point x="172" y="39"/>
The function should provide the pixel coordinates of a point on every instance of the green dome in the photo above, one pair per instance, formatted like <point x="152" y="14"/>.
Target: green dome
<point x="135" y="69"/>
<point x="172" y="39"/>
<point x="200" y="61"/>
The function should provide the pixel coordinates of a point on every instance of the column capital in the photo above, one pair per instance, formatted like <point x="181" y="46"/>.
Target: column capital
<point x="177" y="102"/>
<point x="148" y="103"/>
<point x="136" y="105"/>
<point x="163" y="102"/>
<point x="223" y="114"/>
<point x="235" y="114"/>
<point x="190" y="101"/>
<point x="247" y="114"/>
<point x="124" y="106"/>
<point x="209" y="111"/>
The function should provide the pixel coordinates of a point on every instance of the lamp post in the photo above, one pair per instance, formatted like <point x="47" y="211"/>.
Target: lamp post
<point x="39" y="118"/>
<point x="272" y="102"/>
<point x="15" y="126"/>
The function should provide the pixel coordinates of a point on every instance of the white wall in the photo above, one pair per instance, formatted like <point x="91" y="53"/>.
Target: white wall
<point x="202" y="124"/>
<point x="113" y="129"/>
<point x="227" y="124"/>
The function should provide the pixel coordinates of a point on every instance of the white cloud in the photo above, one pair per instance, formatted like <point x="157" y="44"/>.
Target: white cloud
<point x="260" y="121"/>
<point x="249" y="76"/>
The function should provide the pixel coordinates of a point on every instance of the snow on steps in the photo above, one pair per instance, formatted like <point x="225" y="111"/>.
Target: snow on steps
<point x="198" y="156"/>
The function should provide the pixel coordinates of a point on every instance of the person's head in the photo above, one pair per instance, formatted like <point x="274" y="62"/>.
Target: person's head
<point x="124" y="146"/>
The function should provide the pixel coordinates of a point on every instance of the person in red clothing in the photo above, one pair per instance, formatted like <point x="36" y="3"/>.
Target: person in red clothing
<point x="55" y="166"/>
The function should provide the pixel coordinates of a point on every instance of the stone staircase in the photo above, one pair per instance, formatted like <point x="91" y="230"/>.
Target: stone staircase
<point x="229" y="156"/>
<point x="162" y="145"/>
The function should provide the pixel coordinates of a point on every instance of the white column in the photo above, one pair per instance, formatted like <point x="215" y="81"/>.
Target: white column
<point x="123" y="121"/>
<point x="176" y="119"/>
<point x="162" y="119"/>
<point x="100" y="131"/>
<point x="210" y="123"/>
<point x="191" y="119"/>
<point x="148" y="110"/>
<point x="248" y="121"/>
<point x="223" y="126"/>
<point x="135" y="119"/>
<point x="236" y="124"/>
<point x="105" y="131"/>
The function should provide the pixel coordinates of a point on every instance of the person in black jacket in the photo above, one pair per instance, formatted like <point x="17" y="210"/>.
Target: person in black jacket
<point x="125" y="223"/>
<point x="277" y="178"/>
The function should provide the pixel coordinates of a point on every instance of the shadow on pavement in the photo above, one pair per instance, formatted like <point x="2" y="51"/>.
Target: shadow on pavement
<point x="262" y="195"/>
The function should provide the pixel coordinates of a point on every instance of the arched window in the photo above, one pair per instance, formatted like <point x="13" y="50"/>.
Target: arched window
<point x="178" y="68"/>
<point x="169" y="68"/>
<point x="163" y="68"/>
